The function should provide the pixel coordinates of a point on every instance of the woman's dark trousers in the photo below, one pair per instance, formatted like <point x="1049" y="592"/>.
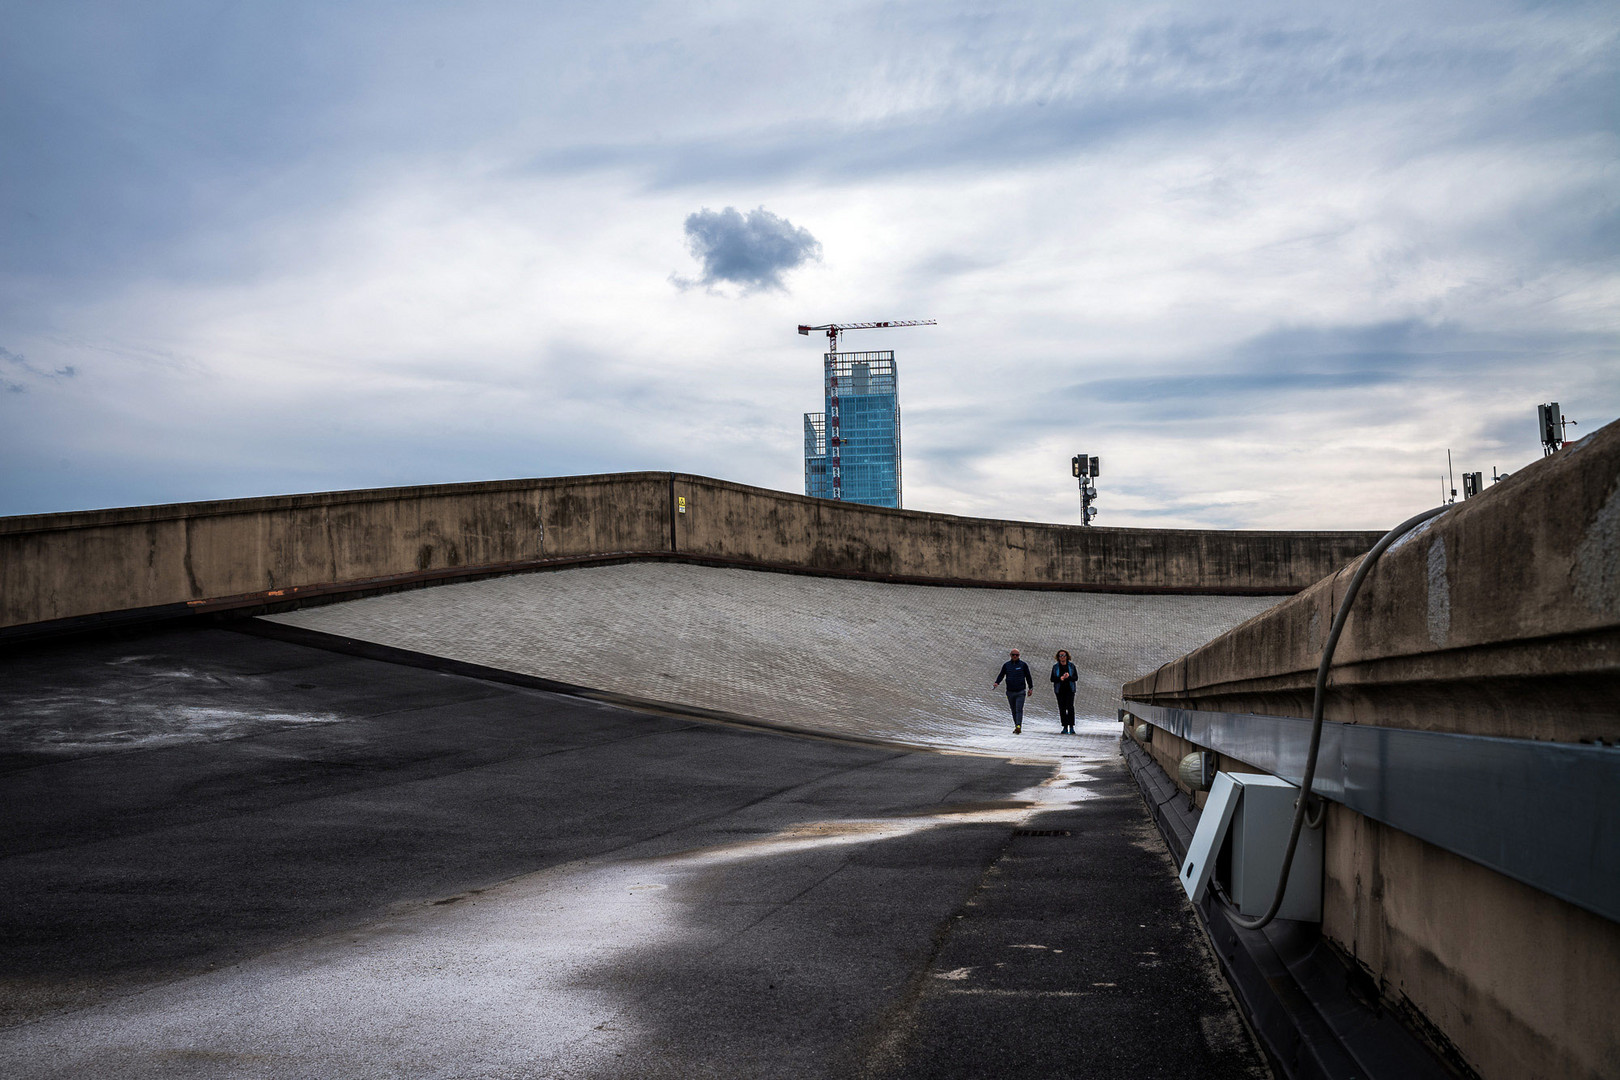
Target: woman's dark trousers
<point x="1066" y="708"/>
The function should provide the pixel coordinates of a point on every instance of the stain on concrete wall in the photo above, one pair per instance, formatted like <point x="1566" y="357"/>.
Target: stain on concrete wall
<point x="1596" y="567"/>
<point x="1438" y="590"/>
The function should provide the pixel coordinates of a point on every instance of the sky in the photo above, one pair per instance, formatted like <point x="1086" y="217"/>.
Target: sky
<point x="1268" y="264"/>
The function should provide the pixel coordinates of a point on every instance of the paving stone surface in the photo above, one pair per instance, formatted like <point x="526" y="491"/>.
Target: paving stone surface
<point x="905" y="662"/>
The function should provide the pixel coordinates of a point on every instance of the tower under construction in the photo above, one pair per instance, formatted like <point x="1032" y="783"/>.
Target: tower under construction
<point x="852" y="447"/>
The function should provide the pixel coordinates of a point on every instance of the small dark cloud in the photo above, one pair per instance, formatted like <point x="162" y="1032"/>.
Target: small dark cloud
<point x="753" y="250"/>
<point x="15" y="365"/>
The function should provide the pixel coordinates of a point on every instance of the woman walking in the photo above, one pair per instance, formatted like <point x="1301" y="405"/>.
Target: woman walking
<point x="1064" y="675"/>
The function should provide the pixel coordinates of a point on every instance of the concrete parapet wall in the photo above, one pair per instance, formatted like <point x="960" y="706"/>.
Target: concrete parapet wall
<point x="243" y="551"/>
<point x="773" y="527"/>
<point x="1499" y="618"/>
<point x="1518" y="587"/>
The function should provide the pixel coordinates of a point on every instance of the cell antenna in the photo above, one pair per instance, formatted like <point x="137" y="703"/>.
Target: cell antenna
<point x="1552" y="423"/>
<point x="1085" y="469"/>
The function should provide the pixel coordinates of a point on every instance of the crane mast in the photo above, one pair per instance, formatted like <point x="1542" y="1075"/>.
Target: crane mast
<point x="834" y="428"/>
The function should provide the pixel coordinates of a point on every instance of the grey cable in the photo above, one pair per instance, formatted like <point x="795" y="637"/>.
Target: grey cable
<point x="1301" y="808"/>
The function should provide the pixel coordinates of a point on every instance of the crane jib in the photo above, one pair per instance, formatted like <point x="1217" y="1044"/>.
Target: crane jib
<point x="834" y="329"/>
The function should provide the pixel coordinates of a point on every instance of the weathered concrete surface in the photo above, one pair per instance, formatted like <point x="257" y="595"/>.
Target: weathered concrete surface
<point x="1500" y="618"/>
<point x="901" y="662"/>
<point x="227" y="856"/>
<point x="255" y="551"/>
<point x="726" y="519"/>
<point x="55" y="566"/>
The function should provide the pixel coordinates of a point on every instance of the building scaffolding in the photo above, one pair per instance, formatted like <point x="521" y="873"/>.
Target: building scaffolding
<point x="815" y="456"/>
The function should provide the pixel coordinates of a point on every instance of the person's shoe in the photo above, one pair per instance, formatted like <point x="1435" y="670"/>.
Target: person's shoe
<point x="1018" y="730"/>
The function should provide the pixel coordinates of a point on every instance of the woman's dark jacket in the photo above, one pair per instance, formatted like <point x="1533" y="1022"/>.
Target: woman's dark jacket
<point x="1057" y="673"/>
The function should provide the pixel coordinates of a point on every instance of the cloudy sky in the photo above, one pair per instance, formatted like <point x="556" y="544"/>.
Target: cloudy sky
<point x="1268" y="265"/>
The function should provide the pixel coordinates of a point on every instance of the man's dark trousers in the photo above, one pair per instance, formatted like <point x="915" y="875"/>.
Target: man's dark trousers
<point x="1015" y="698"/>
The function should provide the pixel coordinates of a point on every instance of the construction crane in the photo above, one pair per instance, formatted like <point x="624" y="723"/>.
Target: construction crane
<point x="833" y="329"/>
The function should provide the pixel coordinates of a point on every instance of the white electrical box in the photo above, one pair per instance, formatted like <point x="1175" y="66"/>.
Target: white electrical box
<point x="1250" y="815"/>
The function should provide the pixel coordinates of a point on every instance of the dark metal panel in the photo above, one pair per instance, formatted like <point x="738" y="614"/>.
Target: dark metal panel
<point x="1544" y="813"/>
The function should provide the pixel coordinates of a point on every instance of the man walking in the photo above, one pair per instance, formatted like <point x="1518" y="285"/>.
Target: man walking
<point x="1019" y="684"/>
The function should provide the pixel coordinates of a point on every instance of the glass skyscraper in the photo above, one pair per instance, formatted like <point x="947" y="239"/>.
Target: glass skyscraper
<point x="852" y="449"/>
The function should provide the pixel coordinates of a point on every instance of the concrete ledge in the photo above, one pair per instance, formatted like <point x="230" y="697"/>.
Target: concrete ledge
<point x="1500" y="617"/>
<point x="241" y="552"/>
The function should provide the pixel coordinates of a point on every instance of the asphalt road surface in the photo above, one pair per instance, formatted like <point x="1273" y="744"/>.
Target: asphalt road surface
<point x="227" y="856"/>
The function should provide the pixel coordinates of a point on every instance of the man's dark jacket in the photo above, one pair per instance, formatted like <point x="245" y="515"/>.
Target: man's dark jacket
<point x="1016" y="672"/>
